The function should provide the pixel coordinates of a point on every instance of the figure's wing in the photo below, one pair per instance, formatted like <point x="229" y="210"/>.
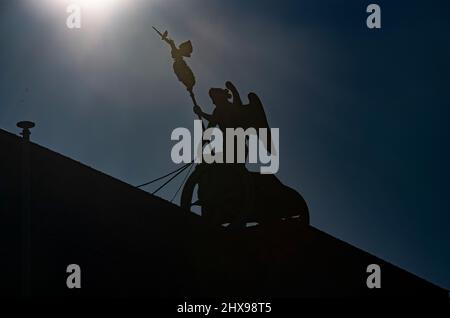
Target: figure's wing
<point x="256" y="118"/>
<point x="186" y="49"/>
<point x="237" y="102"/>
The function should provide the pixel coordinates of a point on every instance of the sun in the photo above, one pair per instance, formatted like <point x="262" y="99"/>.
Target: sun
<point x="90" y="6"/>
<point x="97" y="4"/>
<point x="95" y="11"/>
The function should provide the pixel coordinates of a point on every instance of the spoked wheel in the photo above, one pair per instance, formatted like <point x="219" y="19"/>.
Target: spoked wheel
<point x="188" y="191"/>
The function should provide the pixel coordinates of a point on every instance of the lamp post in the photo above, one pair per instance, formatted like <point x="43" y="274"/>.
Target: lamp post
<point x="26" y="208"/>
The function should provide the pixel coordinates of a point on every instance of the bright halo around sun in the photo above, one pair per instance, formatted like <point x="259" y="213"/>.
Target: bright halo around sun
<point x="99" y="8"/>
<point x="98" y="4"/>
<point x="95" y="14"/>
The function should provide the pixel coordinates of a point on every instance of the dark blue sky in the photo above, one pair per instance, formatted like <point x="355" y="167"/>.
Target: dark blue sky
<point x="363" y="114"/>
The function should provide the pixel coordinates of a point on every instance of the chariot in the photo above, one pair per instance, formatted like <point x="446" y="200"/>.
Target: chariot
<point x="230" y="194"/>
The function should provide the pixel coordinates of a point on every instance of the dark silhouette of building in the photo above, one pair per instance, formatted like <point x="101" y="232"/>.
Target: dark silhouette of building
<point x="130" y="243"/>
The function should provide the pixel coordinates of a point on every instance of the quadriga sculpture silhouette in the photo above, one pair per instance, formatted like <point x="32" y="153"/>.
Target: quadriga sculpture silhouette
<point x="229" y="193"/>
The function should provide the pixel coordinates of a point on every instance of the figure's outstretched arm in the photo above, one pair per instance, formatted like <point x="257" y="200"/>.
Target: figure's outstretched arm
<point x="208" y="117"/>
<point x="171" y="43"/>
